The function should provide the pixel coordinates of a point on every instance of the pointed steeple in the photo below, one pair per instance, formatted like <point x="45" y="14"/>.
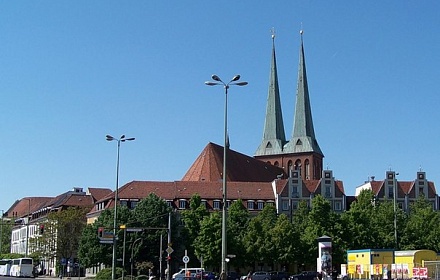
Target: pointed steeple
<point x="303" y="137"/>
<point x="273" y="135"/>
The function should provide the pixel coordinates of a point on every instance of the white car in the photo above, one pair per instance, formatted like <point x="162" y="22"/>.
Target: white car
<point x="188" y="272"/>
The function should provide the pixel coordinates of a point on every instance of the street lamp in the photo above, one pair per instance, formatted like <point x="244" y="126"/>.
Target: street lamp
<point x="121" y="139"/>
<point x="131" y="261"/>
<point x="232" y="82"/>
<point x="27" y="226"/>
<point x="1" y="232"/>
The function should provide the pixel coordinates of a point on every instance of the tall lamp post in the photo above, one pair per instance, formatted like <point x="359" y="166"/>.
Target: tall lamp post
<point x="233" y="82"/>
<point x="1" y="232"/>
<point x="27" y="226"/>
<point x="119" y="140"/>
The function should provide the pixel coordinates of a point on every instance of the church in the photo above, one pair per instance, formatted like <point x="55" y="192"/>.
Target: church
<point x="281" y="173"/>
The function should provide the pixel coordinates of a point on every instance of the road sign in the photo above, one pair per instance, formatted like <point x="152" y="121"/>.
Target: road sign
<point x="106" y="241"/>
<point x="134" y="229"/>
<point x="185" y="259"/>
<point x="169" y="250"/>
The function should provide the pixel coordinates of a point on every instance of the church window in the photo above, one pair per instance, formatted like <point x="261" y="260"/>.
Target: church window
<point x="268" y="145"/>
<point x="307" y="163"/>
<point x="298" y="142"/>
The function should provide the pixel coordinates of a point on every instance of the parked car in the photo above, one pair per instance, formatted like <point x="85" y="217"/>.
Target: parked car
<point x="279" y="275"/>
<point x="187" y="273"/>
<point x="232" y="275"/>
<point x="207" y="275"/>
<point x="261" y="275"/>
<point x="305" y="275"/>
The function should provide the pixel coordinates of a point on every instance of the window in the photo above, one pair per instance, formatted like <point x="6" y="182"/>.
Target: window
<point x="338" y="206"/>
<point x="390" y="192"/>
<point x="204" y="203"/>
<point x="285" y="205"/>
<point x="328" y="192"/>
<point x="170" y="203"/>
<point x="294" y="205"/>
<point x="182" y="204"/>
<point x="260" y="205"/>
<point x="250" y="205"/>
<point x="216" y="204"/>
<point x="295" y="191"/>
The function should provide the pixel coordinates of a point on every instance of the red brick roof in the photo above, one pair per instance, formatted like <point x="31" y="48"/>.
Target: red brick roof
<point x="240" y="168"/>
<point x="21" y="208"/>
<point x="98" y="193"/>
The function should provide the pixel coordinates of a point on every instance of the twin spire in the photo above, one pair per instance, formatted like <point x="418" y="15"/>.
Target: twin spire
<point x="303" y="137"/>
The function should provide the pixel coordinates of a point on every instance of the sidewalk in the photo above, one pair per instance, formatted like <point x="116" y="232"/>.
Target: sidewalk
<point x="46" y="277"/>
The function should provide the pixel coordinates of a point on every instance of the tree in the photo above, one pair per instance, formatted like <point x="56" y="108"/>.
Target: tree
<point x="192" y="219"/>
<point x="5" y="236"/>
<point x="320" y="221"/>
<point x="257" y="239"/>
<point x="151" y="214"/>
<point x="422" y="227"/>
<point x="237" y="224"/>
<point x="69" y="224"/>
<point x="283" y="237"/>
<point x="208" y="243"/>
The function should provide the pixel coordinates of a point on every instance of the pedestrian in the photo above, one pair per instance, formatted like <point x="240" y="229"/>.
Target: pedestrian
<point x="248" y="277"/>
<point x="223" y="275"/>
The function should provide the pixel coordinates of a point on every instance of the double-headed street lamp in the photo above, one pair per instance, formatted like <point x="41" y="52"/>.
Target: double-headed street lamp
<point x="119" y="140"/>
<point x="217" y="81"/>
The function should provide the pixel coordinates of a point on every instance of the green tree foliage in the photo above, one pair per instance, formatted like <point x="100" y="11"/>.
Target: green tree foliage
<point x="208" y="243"/>
<point x="257" y="239"/>
<point x="283" y="237"/>
<point x="192" y="219"/>
<point x="6" y="236"/>
<point x="422" y="228"/>
<point x="320" y="221"/>
<point x="151" y="214"/>
<point x="237" y="223"/>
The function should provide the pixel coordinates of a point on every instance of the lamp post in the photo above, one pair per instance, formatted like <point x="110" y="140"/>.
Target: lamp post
<point x="119" y="140"/>
<point x="131" y="261"/>
<point x="395" y="207"/>
<point x="233" y="82"/>
<point x="27" y="226"/>
<point x="1" y="232"/>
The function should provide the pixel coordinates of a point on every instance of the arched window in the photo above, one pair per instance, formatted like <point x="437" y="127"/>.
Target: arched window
<point x="298" y="165"/>
<point x="276" y="163"/>
<point x="307" y="168"/>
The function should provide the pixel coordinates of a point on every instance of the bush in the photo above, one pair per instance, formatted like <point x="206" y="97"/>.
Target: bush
<point x="106" y="274"/>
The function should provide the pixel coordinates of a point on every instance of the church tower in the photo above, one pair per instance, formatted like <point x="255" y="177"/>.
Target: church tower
<point x="302" y="151"/>
<point x="273" y="134"/>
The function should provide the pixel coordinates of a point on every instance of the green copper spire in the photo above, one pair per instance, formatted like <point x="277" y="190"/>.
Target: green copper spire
<point x="303" y="138"/>
<point x="273" y="135"/>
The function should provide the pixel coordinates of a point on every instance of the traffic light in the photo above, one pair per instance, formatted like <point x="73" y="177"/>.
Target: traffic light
<point x="168" y="258"/>
<point x="41" y="229"/>
<point x="100" y="232"/>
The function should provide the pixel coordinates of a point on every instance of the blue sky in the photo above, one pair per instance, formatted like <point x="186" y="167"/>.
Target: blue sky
<point x="73" y="71"/>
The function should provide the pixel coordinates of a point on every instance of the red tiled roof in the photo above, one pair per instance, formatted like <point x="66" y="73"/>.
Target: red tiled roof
<point x="98" y="193"/>
<point x="27" y="205"/>
<point x="240" y="168"/>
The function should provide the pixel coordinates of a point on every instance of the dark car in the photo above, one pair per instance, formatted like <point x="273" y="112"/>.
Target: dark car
<point x="232" y="275"/>
<point x="261" y="275"/>
<point x="305" y="275"/>
<point x="279" y="275"/>
<point x="207" y="275"/>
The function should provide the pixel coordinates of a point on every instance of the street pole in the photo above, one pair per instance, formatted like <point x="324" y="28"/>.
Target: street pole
<point x="115" y="216"/>
<point x="131" y="261"/>
<point x="1" y="232"/>
<point x="27" y="226"/>
<point x="168" y="274"/>
<point x="218" y="81"/>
